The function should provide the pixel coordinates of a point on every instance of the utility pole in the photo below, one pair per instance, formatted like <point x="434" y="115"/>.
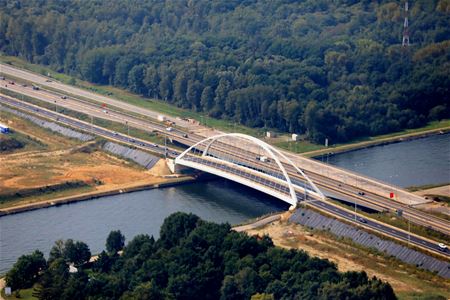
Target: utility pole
<point x="92" y="124"/>
<point x="405" y="39"/>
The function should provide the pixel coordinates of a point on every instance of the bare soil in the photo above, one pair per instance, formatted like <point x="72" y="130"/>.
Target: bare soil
<point x="63" y="160"/>
<point x="348" y="258"/>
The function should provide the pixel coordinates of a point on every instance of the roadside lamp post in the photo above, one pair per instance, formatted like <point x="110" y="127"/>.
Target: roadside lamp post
<point x="165" y="145"/>
<point x="128" y="128"/>
<point x="55" y="107"/>
<point x="409" y="225"/>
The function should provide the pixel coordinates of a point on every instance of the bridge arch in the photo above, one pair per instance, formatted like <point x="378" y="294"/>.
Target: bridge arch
<point x="208" y="147"/>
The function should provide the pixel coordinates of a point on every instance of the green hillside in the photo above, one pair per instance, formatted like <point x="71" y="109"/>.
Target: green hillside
<point x="327" y="68"/>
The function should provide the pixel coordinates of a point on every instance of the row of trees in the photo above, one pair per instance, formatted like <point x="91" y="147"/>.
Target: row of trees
<point x="193" y="259"/>
<point x="326" y="68"/>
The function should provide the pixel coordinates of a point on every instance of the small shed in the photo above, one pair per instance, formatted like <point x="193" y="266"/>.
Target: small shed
<point x="295" y="137"/>
<point x="270" y="134"/>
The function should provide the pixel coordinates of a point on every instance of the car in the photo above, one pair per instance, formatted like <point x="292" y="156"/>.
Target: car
<point x="36" y="88"/>
<point x="361" y="193"/>
<point x="185" y="135"/>
<point x="48" y="80"/>
<point x="442" y="247"/>
<point x="11" y="82"/>
<point x="169" y="128"/>
<point x="362" y="220"/>
<point x="63" y="97"/>
<point x="115" y="133"/>
<point x="24" y="85"/>
<point x="2" y="78"/>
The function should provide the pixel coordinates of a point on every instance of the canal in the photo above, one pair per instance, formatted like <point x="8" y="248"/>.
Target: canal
<point x="416" y="162"/>
<point x="409" y="163"/>
<point x="134" y="213"/>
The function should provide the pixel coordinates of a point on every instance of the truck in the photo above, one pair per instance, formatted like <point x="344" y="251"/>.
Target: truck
<point x="263" y="158"/>
<point x="161" y="118"/>
<point x="4" y="128"/>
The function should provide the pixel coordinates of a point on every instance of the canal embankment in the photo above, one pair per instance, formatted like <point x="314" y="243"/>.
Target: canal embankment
<point x="378" y="141"/>
<point x="121" y="189"/>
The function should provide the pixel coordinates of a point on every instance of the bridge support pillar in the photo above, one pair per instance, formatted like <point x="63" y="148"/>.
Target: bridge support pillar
<point x="176" y="168"/>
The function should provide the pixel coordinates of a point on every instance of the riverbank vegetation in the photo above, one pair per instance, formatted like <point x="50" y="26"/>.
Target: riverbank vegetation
<point x="192" y="259"/>
<point x="332" y="69"/>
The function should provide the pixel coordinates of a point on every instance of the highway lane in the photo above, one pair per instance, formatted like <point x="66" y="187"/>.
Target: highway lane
<point x="374" y="186"/>
<point x="89" y="128"/>
<point x="345" y="191"/>
<point x="334" y="210"/>
<point x="330" y="208"/>
<point x="330" y="187"/>
<point x="43" y="81"/>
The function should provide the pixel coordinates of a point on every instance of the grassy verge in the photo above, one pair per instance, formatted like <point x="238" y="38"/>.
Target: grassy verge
<point x="25" y="142"/>
<point x="25" y="294"/>
<point x="416" y="188"/>
<point x="42" y="194"/>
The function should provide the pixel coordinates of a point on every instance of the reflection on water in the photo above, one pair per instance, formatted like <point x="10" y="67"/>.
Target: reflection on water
<point x="134" y="213"/>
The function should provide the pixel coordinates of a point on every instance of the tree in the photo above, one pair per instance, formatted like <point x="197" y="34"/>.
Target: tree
<point x="207" y="99"/>
<point x="136" y="79"/>
<point x="180" y="88"/>
<point x="115" y="242"/>
<point x="176" y="227"/>
<point x="77" y="252"/>
<point x="193" y="94"/>
<point x="144" y="291"/>
<point x="25" y="272"/>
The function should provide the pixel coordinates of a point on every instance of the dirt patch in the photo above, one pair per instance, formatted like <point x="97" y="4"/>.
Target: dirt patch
<point x="160" y="169"/>
<point x="441" y="190"/>
<point x="347" y="258"/>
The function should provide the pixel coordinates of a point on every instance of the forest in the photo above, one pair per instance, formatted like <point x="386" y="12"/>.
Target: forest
<point x="192" y="259"/>
<point x="331" y="69"/>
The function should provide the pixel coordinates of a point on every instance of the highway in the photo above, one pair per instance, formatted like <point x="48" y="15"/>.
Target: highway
<point x="330" y="186"/>
<point x="325" y="206"/>
<point x="342" y="190"/>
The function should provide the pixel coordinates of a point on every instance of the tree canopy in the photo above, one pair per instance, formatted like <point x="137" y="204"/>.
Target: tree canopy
<point x="205" y="261"/>
<point x="330" y="69"/>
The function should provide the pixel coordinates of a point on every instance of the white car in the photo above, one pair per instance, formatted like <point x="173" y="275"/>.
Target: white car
<point x="169" y="128"/>
<point x="442" y="247"/>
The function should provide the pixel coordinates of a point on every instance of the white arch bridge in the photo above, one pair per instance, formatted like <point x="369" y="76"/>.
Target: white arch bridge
<point x="260" y="166"/>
